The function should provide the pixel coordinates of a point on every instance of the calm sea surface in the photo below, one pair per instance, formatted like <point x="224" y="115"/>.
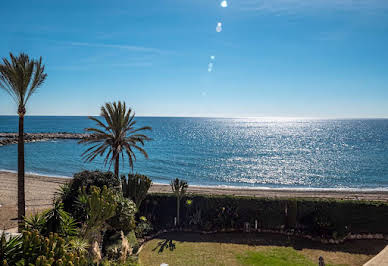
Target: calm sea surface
<point x="287" y="153"/>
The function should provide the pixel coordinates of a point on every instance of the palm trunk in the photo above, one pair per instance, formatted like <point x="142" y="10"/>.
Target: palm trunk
<point x="21" y="189"/>
<point x="117" y="167"/>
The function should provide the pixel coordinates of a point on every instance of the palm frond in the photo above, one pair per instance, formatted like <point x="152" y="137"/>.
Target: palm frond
<point x="116" y="137"/>
<point x="21" y="77"/>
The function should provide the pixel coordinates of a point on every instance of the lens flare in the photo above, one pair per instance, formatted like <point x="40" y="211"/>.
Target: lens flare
<point x="224" y="4"/>
<point x="212" y="57"/>
<point x="219" y="27"/>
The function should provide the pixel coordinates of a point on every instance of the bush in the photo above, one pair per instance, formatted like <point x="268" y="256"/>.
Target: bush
<point x="124" y="219"/>
<point x="320" y="217"/>
<point x="70" y="193"/>
<point x="10" y="250"/>
<point x="54" y="220"/>
<point x="39" y="250"/>
<point x="143" y="227"/>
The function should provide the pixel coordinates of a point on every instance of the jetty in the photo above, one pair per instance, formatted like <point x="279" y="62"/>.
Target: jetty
<point x="12" y="138"/>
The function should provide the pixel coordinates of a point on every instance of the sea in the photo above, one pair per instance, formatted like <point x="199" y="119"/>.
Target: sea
<point x="283" y="153"/>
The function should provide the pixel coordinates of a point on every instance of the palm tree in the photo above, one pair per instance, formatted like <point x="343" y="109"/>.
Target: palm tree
<point x="20" y="78"/>
<point x="179" y="188"/>
<point x="118" y="136"/>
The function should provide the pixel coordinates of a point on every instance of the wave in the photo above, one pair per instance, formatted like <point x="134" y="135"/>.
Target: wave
<point x="36" y="174"/>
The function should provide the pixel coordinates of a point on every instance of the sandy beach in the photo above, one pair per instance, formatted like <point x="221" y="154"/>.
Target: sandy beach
<point x="40" y="192"/>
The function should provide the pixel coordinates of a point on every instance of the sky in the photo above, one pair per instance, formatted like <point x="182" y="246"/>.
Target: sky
<point x="253" y="58"/>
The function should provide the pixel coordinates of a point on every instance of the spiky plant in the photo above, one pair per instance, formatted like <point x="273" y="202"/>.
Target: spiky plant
<point x="36" y="222"/>
<point x="20" y="78"/>
<point x="135" y="187"/>
<point x="179" y="188"/>
<point x="78" y="245"/>
<point x="116" y="137"/>
<point x="10" y="250"/>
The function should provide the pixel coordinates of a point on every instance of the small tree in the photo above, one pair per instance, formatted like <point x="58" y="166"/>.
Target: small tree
<point x="136" y="187"/>
<point x="179" y="188"/>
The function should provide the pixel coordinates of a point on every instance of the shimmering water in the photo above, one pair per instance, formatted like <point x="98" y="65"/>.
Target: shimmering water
<point x="289" y="153"/>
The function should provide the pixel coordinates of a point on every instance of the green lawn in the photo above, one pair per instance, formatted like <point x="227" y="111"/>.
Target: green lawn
<point x="178" y="249"/>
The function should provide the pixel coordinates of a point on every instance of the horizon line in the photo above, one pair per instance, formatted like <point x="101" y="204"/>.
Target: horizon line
<point x="221" y="117"/>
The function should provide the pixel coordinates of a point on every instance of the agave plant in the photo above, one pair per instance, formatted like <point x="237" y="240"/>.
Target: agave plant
<point x="78" y="245"/>
<point x="118" y="137"/>
<point x="179" y="188"/>
<point x="20" y="78"/>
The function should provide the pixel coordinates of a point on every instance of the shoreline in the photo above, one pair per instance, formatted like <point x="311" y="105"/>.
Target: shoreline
<point x="231" y="187"/>
<point x="8" y="177"/>
<point x="40" y="192"/>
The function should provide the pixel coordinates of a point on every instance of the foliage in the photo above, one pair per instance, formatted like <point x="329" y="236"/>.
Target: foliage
<point x="118" y="246"/>
<point x="10" y="250"/>
<point x="36" y="221"/>
<point x="39" y="250"/>
<point x="179" y="188"/>
<point x="118" y="137"/>
<point x="135" y="187"/>
<point x="78" y="245"/>
<point x="85" y="179"/>
<point x="143" y="227"/>
<point x="277" y="257"/>
<point x="54" y="220"/>
<point x="21" y="77"/>
<point x="101" y="205"/>
<point x="341" y="216"/>
<point x="124" y="218"/>
<point x="292" y="212"/>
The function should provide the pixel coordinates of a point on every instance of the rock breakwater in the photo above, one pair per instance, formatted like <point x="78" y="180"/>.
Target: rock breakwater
<point x="12" y="138"/>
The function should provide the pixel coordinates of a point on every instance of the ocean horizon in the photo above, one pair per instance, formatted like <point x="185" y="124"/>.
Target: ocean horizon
<point x="282" y="153"/>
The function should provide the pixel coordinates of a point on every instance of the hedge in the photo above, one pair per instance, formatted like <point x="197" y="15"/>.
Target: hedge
<point x="316" y="216"/>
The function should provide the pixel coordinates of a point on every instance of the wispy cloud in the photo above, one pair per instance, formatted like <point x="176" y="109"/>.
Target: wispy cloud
<point x="118" y="46"/>
<point x="83" y="67"/>
<point x="294" y="6"/>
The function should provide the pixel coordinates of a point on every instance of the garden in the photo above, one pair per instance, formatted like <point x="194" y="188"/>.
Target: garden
<point x="98" y="219"/>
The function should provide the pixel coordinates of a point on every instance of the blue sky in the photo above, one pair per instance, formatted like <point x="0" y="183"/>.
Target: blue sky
<point x="311" y="58"/>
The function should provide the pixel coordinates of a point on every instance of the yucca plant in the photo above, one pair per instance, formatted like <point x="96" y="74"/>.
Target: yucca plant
<point x="10" y="250"/>
<point x="179" y="188"/>
<point x="36" y="222"/>
<point x="20" y="78"/>
<point x="116" y="137"/>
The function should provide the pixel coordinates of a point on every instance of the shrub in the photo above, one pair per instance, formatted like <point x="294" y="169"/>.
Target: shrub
<point x="101" y="206"/>
<point x="135" y="187"/>
<point x="118" y="246"/>
<point x="320" y="217"/>
<point x="124" y="218"/>
<point x="39" y="250"/>
<point x="143" y="227"/>
<point x="54" y="220"/>
<point x="70" y="193"/>
<point x="11" y="250"/>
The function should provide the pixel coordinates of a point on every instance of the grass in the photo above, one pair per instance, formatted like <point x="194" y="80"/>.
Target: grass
<point x="275" y="256"/>
<point x="252" y="249"/>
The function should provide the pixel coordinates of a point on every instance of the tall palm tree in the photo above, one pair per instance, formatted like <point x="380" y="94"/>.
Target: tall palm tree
<point x="20" y="78"/>
<point x="117" y="137"/>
